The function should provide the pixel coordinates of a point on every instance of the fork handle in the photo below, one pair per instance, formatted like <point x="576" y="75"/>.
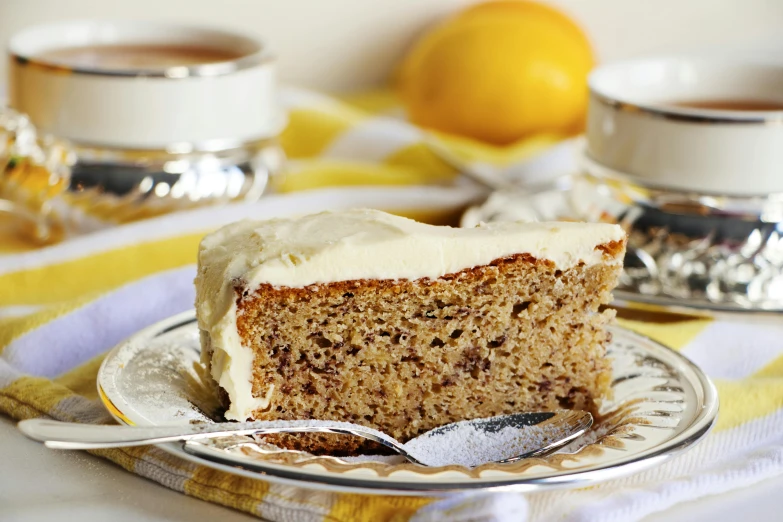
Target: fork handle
<point x="75" y="436"/>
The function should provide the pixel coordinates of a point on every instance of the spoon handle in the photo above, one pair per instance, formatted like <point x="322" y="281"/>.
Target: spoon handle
<point x="69" y="435"/>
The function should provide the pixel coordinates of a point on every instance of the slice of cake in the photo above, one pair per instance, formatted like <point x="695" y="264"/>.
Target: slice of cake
<point x="366" y="317"/>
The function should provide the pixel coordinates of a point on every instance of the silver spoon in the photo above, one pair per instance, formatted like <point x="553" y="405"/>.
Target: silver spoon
<point x="505" y="438"/>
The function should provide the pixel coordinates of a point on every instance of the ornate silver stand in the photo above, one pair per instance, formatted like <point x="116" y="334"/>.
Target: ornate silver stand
<point x="66" y="188"/>
<point x="685" y="249"/>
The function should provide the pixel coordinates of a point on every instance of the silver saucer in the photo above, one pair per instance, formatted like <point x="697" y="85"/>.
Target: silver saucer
<point x="703" y="251"/>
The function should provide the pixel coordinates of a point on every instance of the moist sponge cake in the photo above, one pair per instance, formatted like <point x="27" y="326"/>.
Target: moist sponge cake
<point x="371" y="318"/>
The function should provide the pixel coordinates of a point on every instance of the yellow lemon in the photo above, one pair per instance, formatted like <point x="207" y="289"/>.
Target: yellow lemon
<point x="499" y="72"/>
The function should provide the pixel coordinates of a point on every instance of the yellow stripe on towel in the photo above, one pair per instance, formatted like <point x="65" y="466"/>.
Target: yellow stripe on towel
<point x="326" y="173"/>
<point x="226" y="489"/>
<point x="664" y="333"/>
<point x="12" y="328"/>
<point x="747" y="400"/>
<point x="371" y="508"/>
<point x="37" y="394"/>
<point x="82" y="379"/>
<point x="309" y="132"/>
<point x="97" y="273"/>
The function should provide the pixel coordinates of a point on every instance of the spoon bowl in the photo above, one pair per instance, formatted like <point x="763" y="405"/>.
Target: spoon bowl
<point x="504" y="438"/>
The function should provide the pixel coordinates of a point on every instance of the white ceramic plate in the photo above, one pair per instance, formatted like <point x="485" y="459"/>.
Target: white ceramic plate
<point x="662" y="404"/>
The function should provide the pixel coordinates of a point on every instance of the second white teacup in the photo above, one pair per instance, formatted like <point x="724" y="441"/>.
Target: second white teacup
<point x="704" y="125"/>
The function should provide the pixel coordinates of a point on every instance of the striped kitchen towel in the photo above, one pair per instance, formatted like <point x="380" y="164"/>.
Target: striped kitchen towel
<point x="62" y="307"/>
<point x="361" y="140"/>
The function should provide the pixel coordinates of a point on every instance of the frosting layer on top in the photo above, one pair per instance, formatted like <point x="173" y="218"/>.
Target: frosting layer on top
<point x="370" y="244"/>
<point x="348" y="245"/>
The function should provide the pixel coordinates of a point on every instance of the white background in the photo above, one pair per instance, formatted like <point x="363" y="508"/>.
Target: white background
<point x="348" y="45"/>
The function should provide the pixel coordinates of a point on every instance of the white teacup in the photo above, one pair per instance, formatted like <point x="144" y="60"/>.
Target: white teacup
<point x="149" y="118"/>
<point x="152" y="107"/>
<point x="640" y="125"/>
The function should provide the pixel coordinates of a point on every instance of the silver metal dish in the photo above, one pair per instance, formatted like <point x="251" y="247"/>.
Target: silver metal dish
<point x="704" y="251"/>
<point x="662" y="405"/>
<point x="64" y="188"/>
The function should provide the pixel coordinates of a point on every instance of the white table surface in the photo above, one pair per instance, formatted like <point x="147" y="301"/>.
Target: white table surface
<point x="37" y="484"/>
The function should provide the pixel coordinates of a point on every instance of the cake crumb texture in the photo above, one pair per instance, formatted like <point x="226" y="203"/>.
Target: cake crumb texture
<point x="401" y="356"/>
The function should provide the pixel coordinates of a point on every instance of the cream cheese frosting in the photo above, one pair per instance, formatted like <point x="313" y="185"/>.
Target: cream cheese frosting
<point x="347" y="245"/>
